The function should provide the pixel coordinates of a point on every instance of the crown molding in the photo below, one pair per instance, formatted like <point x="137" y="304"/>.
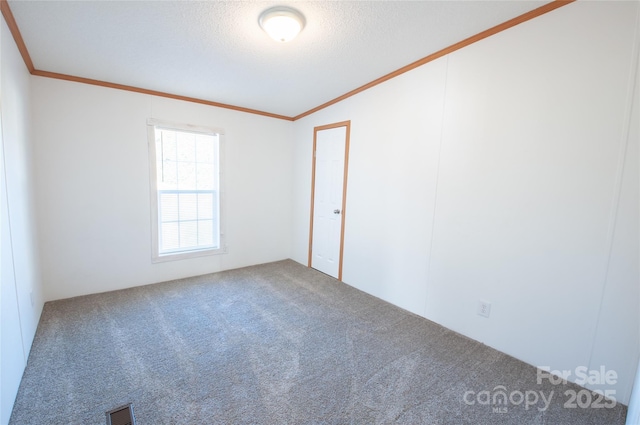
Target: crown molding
<point x="17" y="36"/>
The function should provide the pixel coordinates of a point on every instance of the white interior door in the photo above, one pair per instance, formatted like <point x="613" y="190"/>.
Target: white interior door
<point x="328" y="199"/>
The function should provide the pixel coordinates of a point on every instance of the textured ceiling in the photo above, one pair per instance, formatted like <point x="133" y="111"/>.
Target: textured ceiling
<point x="215" y="50"/>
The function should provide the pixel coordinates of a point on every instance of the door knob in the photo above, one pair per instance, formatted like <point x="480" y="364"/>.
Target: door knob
<point x="336" y="211"/>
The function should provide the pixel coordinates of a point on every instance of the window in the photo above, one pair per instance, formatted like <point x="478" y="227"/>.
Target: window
<point x="185" y="188"/>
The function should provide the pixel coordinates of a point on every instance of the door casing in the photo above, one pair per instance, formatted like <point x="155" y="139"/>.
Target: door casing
<point x="346" y="124"/>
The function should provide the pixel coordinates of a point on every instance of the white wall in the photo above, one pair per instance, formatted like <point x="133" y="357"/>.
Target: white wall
<point x="92" y="185"/>
<point x="21" y="292"/>
<point x="620" y="306"/>
<point x="395" y="137"/>
<point x="633" y="415"/>
<point x="502" y="172"/>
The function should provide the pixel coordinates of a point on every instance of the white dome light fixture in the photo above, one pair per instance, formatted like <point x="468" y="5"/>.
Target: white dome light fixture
<point x="281" y="23"/>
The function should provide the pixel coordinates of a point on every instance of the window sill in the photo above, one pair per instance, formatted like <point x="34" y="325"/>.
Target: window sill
<point x="186" y="255"/>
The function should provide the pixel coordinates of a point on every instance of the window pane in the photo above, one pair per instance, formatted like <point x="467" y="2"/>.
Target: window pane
<point x="188" y="234"/>
<point x="186" y="144"/>
<point x="205" y="148"/>
<point x="205" y="176"/>
<point x="169" y="207"/>
<point x="188" y="206"/>
<point x="170" y="236"/>
<point x="167" y="175"/>
<point x="205" y="206"/>
<point x="205" y="232"/>
<point x="167" y="146"/>
<point x="186" y="176"/>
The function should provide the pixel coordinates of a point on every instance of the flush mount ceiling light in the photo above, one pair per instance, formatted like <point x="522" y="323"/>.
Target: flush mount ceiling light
<point x="281" y="23"/>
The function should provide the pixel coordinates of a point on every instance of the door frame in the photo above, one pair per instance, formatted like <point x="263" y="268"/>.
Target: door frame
<point x="346" y="124"/>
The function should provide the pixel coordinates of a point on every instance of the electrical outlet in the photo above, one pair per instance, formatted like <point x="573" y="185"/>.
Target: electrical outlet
<point x="484" y="308"/>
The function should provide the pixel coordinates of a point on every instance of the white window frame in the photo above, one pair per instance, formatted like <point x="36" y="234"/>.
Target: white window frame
<point x="156" y="257"/>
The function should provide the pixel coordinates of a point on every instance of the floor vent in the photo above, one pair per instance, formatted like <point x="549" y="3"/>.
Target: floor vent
<point x="122" y="415"/>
